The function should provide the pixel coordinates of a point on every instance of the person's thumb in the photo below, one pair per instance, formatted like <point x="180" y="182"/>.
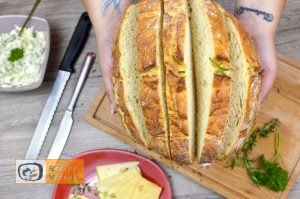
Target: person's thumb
<point x="268" y="78"/>
<point x="107" y="75"/>
<point x="106" y="64"/>
<point x="268" y="74"/>
<point x="267" y="57"/>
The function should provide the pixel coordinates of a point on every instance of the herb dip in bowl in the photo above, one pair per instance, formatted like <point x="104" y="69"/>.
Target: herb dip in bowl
<point x="23" y="58"/>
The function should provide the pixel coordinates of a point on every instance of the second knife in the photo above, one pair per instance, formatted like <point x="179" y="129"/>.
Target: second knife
<point x="66" y="124"/>
<point x="75" y="46"/>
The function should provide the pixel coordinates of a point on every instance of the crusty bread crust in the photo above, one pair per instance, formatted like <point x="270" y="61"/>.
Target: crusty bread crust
<point x="251" y="110"/>
<point x="217" y="119"/>
<point x="166" y="111"/>
<point x="221" y="86"/>
<point x="150" y="66"/>
<point x="175" y="30"/>
<point x="254" y="81"/>
<point x="118" y="87"/>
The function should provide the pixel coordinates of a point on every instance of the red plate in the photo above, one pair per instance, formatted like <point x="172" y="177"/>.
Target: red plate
<point x="150" y="170"/>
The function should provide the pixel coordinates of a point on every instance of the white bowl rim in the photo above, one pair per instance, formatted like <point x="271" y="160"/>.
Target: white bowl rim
<point x="23" y="16"/>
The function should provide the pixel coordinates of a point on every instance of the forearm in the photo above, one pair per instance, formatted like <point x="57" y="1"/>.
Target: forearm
<point x="260" y="18"/>
<point x="106" y="14"/>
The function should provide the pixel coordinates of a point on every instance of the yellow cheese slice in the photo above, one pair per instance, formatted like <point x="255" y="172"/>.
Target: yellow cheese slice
<point x="146" y="189"/>
<point x="118" y="181"/>
<point x="124" y="181"/>
<point x="110" y="170"/>
<point x="124" y="192"/>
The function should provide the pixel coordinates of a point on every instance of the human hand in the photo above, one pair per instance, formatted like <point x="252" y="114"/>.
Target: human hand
<point x="267" y="55"/>
<point x="260" y="19"/>
<point x="265" y="46"/>
<point x="105" y="16"/>
<point x="105" y="39"/>
<point x="264" y="41"/>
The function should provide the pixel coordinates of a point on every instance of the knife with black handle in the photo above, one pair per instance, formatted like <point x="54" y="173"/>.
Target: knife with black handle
<point x="73" y="51"/>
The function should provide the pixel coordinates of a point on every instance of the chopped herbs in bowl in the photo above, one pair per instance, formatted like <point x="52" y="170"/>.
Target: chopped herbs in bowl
<point x="23" y="57"/>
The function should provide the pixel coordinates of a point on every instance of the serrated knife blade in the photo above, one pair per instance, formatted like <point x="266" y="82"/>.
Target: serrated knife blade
<point x="77" y="43"/>
<point x="47" y="115"/>
<point x="67" y="122"/>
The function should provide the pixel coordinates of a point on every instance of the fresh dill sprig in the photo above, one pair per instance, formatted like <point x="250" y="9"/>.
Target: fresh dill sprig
<point x="277" y="146"/>
<point x="269" y="173"/>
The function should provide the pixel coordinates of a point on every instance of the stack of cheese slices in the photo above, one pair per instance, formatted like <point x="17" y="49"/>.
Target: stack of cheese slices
<point x="186" y="80"/>
<point x="124" y="181"/>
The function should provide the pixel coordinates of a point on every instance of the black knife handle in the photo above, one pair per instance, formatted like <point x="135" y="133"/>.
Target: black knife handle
<point x="77" y="43"/>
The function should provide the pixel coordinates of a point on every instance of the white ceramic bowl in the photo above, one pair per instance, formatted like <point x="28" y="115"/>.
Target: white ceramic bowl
<point x="7" y="24"/>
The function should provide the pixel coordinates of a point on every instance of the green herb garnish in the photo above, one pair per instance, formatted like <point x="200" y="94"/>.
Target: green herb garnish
<point x="16" y="54"/>
<point x="219" y="67"/>
<point x="170" y="120"/>
<point x="269" y="173"/>
<point x="179" y="62"/>
<point x="104" y="193"/>
<point x="81" y="189"/>
<point x="175" y="59"/>
<point x="141" y="187"/>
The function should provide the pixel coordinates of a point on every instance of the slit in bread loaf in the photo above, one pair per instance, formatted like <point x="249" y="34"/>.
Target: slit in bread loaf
<point x="152" y="73"/>
<point x="179" y="80"/>
<point x="212" y="63"/>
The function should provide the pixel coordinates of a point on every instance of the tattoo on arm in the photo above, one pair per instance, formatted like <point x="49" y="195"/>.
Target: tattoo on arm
<point x="107" y="3"/>
<point x="267" y="16"/>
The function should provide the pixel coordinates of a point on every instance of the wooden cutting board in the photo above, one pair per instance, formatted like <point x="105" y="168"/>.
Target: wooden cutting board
<point x="283" y="103"/>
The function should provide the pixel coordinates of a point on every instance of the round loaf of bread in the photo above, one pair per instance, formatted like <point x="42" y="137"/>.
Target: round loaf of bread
<point x="186" y="79"/>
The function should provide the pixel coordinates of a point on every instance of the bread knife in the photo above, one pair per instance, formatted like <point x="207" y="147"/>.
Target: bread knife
<point x="75" y="47"/>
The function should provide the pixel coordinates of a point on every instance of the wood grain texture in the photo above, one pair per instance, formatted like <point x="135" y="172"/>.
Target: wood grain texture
<point x="225" y="181"/>
<point x="19" y="113"/>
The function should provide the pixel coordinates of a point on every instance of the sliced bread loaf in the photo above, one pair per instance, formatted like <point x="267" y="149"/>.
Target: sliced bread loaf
<point x="245" y="85"/>
<point x="186" y="79"/>
<point x="212" y="64"/>
<point x="152" y="73"/>
<point x="126" y="81"/>
<point x="179" y="80"/>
